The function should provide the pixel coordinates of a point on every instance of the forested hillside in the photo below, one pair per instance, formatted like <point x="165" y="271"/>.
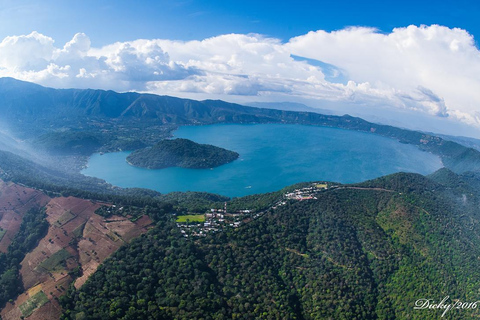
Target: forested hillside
<point x="181" y="153"/>
<point x="48" y="244"/>
<point x="356" y="252"/>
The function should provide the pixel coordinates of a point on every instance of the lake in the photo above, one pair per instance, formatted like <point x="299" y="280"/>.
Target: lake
<point x="272" y="156"/>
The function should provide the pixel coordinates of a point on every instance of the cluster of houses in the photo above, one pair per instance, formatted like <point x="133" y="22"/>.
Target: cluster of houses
<point x="217" y="220"/>
<point x="306" y="193"/>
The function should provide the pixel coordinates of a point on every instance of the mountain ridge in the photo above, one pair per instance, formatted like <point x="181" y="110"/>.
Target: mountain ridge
<point x="117" y="117"/>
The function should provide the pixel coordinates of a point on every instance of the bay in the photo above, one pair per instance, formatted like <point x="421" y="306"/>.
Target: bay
<point x="272" y="156"/>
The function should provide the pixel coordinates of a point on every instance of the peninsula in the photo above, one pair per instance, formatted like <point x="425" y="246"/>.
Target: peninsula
<point x="181" y="153"/>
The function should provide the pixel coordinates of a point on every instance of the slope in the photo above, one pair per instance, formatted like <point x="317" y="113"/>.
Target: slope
<point x="55" y="242"/>
<point x="366" y="251"/>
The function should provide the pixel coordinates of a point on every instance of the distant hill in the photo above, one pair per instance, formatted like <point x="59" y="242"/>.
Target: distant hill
<point x="465" y="141"/>
<point x="288" y="106"/>
<point x="33" y="103"/>
<point x="106" y="120"/>
<point x="181" y="153"/>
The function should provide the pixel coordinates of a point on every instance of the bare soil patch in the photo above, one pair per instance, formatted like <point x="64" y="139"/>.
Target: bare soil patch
<point x="77" y="238"/>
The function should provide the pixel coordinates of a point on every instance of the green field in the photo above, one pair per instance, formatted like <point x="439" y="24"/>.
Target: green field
<point x="78" y="232"/>
<point x="193" y="218"/>
<point x="56" y="260"/>
<point x="64" y="218"/>
<point x="33" y="303"/>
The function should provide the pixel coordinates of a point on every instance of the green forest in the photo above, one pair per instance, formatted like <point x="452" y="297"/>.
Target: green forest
<point x="34" y="226"/>
<point x="366" y="251"/>
<point x="181" y="153"/>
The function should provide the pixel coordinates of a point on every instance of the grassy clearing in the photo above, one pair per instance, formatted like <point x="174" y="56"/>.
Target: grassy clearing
<point x="64" y="218"/>
<point x="113" y="236"/>
<point x="78" y="232"/>
<point x="297" y="252"/>
<point x="193" y="218"/>
<point x="33" y="291"/>
<point x="35" y="302"/>
<point x="55" y="261"/>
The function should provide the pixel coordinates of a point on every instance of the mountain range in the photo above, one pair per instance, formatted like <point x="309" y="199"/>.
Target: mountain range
<point x="75" y="247"/>
<point x="73" y="121"/>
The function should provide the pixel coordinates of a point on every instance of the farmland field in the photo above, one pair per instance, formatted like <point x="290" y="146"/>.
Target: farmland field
<point x="55" y="261"/>
<point x="36" y="301"/>
<point x="194" y="218"/>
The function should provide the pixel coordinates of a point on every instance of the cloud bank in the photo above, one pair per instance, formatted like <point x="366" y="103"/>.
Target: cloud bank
<point x="432" y="70"/>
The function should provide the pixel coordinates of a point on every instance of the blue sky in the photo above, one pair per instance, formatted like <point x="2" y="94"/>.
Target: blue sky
<point x="408" y="63"/>
<point x="107" y="21"/>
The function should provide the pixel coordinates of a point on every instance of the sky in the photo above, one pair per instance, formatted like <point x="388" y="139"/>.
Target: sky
<point x="409" y="63"/>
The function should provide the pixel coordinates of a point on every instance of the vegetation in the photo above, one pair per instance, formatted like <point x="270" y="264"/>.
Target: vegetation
<point x="36" y="301"/>
<point x="34" y="226"/>
<point x="54" y="262"/>
<point x="364" y="251"/>
<point x="70" y="142"/>
<point x="76" y="142"/>
<point x="193" y="201"/>
<point x="64" y="218"/>
<point x="181" y="153"/>
<point x="357" y="252"/>
<point x="193" y="218"/>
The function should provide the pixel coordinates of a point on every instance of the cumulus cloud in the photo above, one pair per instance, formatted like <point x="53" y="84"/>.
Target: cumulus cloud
<point x="231" y="64"/>
<point x="436" y="67"/>
<point x="26" y="53"/>
<point x="428" y="69"/>
<point x="35" y="58"/>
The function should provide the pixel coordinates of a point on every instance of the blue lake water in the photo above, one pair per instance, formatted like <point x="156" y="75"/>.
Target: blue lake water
<point x="272" y="156"/>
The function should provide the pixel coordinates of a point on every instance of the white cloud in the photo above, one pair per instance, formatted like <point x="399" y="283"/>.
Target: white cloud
<point x="77" y="47"/>
<point x="441" y="61"/>
<point x="26" y="53"/>
<point x="35" y="58"/>
<point x="429" y="69"/>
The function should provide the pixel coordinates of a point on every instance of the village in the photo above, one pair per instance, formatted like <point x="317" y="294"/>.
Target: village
<point x="217" y="220"/>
